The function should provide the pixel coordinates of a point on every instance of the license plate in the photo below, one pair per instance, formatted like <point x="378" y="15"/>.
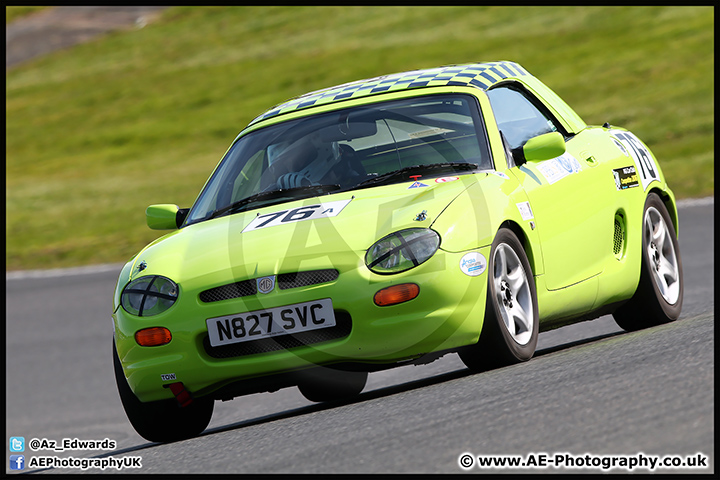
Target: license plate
<point x="245" y="327"/>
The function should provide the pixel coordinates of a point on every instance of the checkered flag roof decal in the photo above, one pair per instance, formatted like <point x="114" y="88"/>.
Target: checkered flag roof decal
<point x="480" y="75"/>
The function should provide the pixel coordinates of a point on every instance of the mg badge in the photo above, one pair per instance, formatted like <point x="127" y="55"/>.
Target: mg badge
<point x="266" y="284"/>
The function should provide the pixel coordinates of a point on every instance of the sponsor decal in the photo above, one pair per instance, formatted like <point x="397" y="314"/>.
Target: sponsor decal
<point x="168" y="376"/>
<point x="445" y="179"/>
<point x="417" y="184"/>
<point x="501" y="175"/>
<point x="525" y="210"/>
<point x="625" y="178"/>
<point x="473" y="264"/>
<point x="309" y="212"/>
<point x="559" y="167"/>
<point x="644" y="162"/>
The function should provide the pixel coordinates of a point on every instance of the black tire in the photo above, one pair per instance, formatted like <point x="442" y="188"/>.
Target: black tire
<point x="659" y="295"/>
<point x="510" y="329"/>
<point x="327" y="385"/>
<point x="163" y="420"/>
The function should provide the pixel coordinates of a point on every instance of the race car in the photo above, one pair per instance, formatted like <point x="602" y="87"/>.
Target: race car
<point x="388" y="222"/>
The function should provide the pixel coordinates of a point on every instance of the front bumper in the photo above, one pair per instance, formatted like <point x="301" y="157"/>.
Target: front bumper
<point x="447" y="313"/>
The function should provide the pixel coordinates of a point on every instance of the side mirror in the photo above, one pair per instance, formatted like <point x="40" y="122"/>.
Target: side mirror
<point x="544" y="147"/>
<point x="165" y="216"/>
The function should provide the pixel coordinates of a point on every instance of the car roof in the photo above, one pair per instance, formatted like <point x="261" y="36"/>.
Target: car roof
<point x="479" y="75"/>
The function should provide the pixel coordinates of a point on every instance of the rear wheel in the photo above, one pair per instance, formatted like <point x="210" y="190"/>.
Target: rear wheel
<point x="326" y="385"/>
<point x="163" y="420"/>
<point x="510" y="329"/>
<point x="658" y="298"/>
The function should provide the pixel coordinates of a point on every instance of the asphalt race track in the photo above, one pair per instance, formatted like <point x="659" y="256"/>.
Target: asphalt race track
<point x="592" y="390"/>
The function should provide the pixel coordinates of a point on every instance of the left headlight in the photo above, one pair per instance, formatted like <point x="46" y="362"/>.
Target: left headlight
<point x="146" y="296"/>
<point x="402" y="250"/>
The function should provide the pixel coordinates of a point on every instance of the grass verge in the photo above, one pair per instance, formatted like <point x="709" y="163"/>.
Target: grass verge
<point x="96" y="133"/>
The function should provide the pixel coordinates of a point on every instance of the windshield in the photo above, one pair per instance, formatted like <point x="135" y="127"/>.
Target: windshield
<point x="347" y="149"/>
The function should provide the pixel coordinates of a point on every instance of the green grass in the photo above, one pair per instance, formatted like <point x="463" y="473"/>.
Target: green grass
<point x="97" y="132"/>
<point x="15" y="12"/>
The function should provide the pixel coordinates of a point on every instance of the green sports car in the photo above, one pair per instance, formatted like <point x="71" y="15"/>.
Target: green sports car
<point x="388" y="222"/>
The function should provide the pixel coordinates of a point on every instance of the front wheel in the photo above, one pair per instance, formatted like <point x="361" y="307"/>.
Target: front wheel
<point x="659" y="295"/>
<point x="163" y="420"/>
<point x="510" y="329"/>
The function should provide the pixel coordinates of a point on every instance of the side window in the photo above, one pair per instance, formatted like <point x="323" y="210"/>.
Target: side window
<point x="517" y="117"/>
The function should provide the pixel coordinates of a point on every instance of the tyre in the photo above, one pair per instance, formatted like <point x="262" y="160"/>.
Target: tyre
<point x="659" y="295"/>
<point x="510" y="329"/>
<point x="327" y="385"/>
<point x="163" y="420"/>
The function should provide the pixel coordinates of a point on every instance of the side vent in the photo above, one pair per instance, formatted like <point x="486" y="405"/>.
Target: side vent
<point x="619" y="236"/>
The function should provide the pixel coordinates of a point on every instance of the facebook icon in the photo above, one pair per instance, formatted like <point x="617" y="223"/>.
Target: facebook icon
<point x="17" y="462"/>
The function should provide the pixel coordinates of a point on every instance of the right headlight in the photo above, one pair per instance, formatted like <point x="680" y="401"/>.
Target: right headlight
<point x="402" y="250"/>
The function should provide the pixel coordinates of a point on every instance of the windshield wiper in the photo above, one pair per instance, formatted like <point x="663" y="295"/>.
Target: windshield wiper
<point x="403" y="172"/>
<point x="282" y="193"/>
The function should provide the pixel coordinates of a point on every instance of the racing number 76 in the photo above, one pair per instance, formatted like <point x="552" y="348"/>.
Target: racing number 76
<point x="294" y="215"/>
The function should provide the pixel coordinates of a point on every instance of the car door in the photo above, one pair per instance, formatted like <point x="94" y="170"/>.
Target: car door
<point x="570" y="222"/>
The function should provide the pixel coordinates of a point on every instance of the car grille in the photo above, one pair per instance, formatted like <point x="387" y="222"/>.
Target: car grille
<point x="284" y="282"/>
<point x="303" y="279"/>
<point x="342" y="328"/>
<point x="226" y="292"/>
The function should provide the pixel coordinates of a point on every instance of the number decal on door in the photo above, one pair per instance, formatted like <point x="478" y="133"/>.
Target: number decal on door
<point x="644" y="161"/>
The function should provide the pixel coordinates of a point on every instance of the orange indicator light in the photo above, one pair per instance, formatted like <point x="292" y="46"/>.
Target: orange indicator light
<point x="396" y="294"/>
<point x="152" y="337"/>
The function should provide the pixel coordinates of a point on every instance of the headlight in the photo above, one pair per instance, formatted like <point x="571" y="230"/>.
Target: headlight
<point x="402" y="250"/>
<point x="146" y="296"/>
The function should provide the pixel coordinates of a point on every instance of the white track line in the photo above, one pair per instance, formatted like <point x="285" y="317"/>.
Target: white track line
<point x="63" y="272"/>
<point x="695" y="202"/>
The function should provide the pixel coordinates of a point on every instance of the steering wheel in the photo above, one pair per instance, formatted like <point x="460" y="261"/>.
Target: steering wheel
<point x="292" y="180"/>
